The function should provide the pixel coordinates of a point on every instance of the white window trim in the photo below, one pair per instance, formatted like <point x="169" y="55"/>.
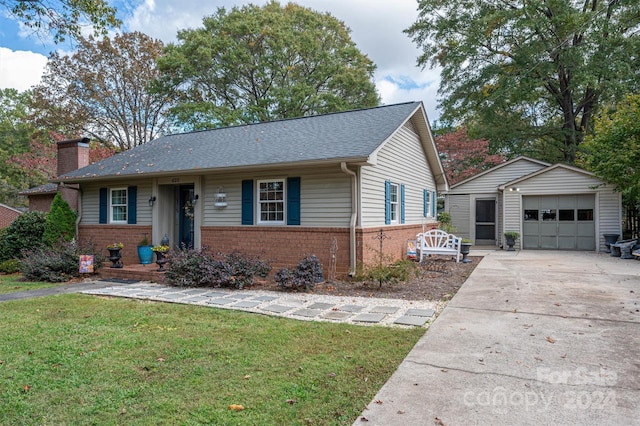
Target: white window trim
<point x="259" y="220"/>
<point x="111" y="205"/>
<point x="428" y="203"/>
<point x="394" y="206"/>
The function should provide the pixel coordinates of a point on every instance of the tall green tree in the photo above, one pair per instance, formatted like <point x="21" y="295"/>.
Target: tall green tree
<point x="61" y="222"/>
<point x="530" y="75"/>
<point x="613" y="152"/>
<point x="102" y="91"/>
<point x="62" y="18"/>
<point x="263" y="63"/>
<point x="16" y="133"/>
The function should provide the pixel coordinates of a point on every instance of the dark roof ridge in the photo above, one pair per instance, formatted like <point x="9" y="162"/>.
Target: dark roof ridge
<point x="280" y="120"/>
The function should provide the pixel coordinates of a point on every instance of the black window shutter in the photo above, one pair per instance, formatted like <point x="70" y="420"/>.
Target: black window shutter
<point x="132" y="205"/>
<point x="293" y="201"/>
<point x="247" y="202"/>
<point x="104" y="203"/>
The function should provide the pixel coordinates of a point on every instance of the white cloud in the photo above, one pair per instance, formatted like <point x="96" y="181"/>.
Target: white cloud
<point x="20" y="69"/>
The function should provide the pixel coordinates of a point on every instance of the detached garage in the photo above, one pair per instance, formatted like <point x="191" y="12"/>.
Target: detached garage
<point x="552" y="207"/>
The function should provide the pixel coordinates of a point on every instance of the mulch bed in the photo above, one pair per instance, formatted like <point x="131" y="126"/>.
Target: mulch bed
<point x="439" y="279"/>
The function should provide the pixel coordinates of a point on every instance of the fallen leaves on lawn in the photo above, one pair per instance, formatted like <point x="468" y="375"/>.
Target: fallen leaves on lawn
<point x="236" y="407"/>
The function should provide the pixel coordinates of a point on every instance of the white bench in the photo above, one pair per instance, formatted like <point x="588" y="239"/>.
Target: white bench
<point x="437" y="241"/>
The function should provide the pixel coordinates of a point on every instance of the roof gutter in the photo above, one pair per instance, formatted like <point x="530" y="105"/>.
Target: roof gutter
<point x="354" y="218"/>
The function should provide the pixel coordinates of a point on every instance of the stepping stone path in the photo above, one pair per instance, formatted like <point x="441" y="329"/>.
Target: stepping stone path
<point x="308" y="307"/>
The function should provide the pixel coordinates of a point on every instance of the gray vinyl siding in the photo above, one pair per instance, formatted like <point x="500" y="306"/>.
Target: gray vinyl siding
<point x="402" y="161"/>
<point x="512" y="205"/>
<point x="459" y="206"/>
<point x="91" y="201"/>
<point x="325" y="197"/>
<point x="609" y="215"/>
<point x="490" y="182"/>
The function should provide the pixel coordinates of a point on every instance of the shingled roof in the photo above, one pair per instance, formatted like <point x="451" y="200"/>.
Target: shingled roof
<point x="351" y="136"/>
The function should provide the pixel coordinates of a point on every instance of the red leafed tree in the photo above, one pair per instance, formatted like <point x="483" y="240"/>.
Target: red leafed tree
<point x="40" y="163"/>
<point x="463" y="157"/>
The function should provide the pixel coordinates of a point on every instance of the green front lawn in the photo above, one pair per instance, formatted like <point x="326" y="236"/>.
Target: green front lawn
<point x="9" y="284"/>
<point x="77" y="359"/>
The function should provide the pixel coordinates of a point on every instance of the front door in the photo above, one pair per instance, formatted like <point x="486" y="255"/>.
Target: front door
<point x="186" y="215"/>
<point x="486" y="222"/>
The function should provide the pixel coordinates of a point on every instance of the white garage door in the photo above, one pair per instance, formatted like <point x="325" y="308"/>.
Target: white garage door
<point x="563" y="222"/>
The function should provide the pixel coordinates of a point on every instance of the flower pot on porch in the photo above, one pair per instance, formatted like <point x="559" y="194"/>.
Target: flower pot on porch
<point x="145" y="254"/>
<point x="161" y="259"/>
<point x="115" y="257"/>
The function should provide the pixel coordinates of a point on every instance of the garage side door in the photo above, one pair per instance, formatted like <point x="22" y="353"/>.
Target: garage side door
<point x="563" y="222"/>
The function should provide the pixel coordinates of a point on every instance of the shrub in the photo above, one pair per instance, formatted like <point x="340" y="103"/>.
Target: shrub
<point x="61" y="222"/>
<point x="199" y="268"/>
<point x="444" y="223"/>
<point x="243" y="268"/>
<point x="385" y="273"/>
<point x="10" y="266"/>
<point x="306" y="274"/>
<point x="24" y="233"/>
<point x="58" y="264"/>
<point x="191" y="268"/>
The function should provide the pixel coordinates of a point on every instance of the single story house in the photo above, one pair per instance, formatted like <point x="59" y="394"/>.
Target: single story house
<point x="551" y="206"/>
<point x="326" y="185"/>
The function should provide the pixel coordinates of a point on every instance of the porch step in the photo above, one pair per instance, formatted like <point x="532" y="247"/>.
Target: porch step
<point x="136" y="272"/>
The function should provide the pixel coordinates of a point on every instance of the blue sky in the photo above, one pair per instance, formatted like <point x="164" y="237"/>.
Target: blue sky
<point x="376" y="26"/>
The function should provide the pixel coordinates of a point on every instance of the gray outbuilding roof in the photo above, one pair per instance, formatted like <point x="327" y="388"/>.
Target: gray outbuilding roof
<point x="350" y="136"/>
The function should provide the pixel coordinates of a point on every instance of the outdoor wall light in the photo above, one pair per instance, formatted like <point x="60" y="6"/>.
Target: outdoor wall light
<point x="220" y="198"/>
<point x="195" y="199"/>
<point x="514" y="189"/>
<point x="152" y="200"/>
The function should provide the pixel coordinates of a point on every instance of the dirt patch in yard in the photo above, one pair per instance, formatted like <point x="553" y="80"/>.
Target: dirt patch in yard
<point x="439" y="278"/>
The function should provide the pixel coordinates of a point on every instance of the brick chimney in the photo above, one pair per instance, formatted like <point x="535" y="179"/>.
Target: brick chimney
<point x="73" y="154"/>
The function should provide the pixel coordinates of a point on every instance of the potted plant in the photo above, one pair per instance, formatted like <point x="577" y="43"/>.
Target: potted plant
<point x="511" y="237"/>
<point x="114" y="254"/>
<point x="145" y="253"/>
<point x="465" y="247"/>
<point x="161" y="259"/>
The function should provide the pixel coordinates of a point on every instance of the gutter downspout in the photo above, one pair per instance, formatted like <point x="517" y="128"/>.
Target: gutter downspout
<point x="79" y="216"/>
<point x="354" y="217"/>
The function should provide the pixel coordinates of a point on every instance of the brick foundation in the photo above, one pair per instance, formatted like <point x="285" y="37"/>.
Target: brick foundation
<point x="394" y="245"/>
<point x="283" y="247"/>
<point x="103" y="235"/>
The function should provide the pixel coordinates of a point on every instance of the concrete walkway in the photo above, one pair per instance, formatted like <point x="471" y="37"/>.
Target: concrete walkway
<point x="301" y="306"/>
<point x="532" y="338"/>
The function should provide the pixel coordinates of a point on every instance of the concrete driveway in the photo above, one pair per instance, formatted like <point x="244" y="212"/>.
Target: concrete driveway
<point x="532" y="338"/>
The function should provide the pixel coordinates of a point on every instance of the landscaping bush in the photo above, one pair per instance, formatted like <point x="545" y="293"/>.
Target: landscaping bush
<point x="61" y="222"/>
<point x="192" y="268"/>
<point x="444" y="223"/>
<point x="10" y="266"/>
<point x="24" y="233"/>
<point x="389" y="273"/>
<point x="199" y="268"/>
<point x="59" y="263"/>
<point x="243" y="268"/>
<point x="306" y="274"/>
